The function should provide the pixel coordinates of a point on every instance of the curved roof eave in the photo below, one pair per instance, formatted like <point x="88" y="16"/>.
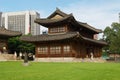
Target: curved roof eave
<point x="90" y="27"/>
<point x="48" y="37"/>
<point x="48" y="22"/>
<point x="58" y="37"/>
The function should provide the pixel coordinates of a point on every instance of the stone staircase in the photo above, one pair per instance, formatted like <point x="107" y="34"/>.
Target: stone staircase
<point x="6" y="57"/>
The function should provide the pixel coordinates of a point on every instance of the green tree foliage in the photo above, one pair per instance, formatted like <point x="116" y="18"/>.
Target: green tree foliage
<point x="112" y="37"/>
<point x="15" y="44"/>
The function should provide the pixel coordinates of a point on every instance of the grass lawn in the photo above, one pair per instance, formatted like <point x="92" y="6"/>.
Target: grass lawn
<point x="59" y="71"/>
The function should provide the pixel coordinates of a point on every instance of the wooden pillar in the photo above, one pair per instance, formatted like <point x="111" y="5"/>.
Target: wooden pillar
<point x="62" y="52"/>
<point x="49" y="50"/>
<point x="100" y="52"/>
<point x="95" y="51"/>
<point x="36" y="52"/>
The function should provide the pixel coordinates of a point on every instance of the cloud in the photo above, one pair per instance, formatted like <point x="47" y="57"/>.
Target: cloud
<point x="98" y="15"/>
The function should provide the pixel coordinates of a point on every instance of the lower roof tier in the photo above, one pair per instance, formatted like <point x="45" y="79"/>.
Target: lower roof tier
<point x="59" y="37"/>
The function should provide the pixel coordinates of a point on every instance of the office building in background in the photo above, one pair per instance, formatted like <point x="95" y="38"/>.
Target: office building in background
<point x="21" y="21"/>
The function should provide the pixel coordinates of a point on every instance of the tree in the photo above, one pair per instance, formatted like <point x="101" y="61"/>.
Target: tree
<point x="112" y="37"/>
<point x="15" y="44"/>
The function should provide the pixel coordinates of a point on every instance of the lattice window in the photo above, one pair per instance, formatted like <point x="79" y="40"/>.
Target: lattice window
<point x="57" y="29"/>
<point x="66" y="49"/>
<point x="43" y="50"/>
<point x="55" y="50"/>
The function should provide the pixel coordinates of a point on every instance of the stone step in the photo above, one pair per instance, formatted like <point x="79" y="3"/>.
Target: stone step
<point x="6" y="57"/>
<point x="69" y="60"/>
<point x="2" y="58"/>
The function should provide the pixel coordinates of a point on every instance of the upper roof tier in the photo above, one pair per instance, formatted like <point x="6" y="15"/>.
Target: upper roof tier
<point x="58" y="17"/>
<point x="8" y="33"/>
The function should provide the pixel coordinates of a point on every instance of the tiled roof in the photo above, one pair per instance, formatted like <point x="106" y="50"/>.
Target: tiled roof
<point x="48" y="37"/>
<point x="9" y="33"/>
<point x="49" y="22"/>
<point x="57" y="11"/>
<point x="58" y="37"/>
<point x="94" y="41"/>
<point x="90" y="27"/>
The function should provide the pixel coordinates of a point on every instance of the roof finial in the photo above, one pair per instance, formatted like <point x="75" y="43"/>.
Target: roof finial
<point x="57" y="8"/>
<point x="71" y="14"/>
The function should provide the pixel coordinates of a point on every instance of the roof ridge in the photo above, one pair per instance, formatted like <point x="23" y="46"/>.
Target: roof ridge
<point x="58" y="11"/>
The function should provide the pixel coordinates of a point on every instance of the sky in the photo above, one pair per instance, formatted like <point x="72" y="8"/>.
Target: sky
<point x="97" y="13"/>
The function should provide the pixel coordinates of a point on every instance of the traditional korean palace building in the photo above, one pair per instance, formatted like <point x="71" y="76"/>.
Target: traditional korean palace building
<point x="5" y="35"/>
<point x="66" y="37"/>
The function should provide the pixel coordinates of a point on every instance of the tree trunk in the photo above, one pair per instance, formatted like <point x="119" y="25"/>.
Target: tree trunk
<point x="26" y="58"/>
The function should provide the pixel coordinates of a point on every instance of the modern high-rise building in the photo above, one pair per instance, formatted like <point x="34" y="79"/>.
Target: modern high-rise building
<point x="0" y="18"/>
<point x="21" y="21"/>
